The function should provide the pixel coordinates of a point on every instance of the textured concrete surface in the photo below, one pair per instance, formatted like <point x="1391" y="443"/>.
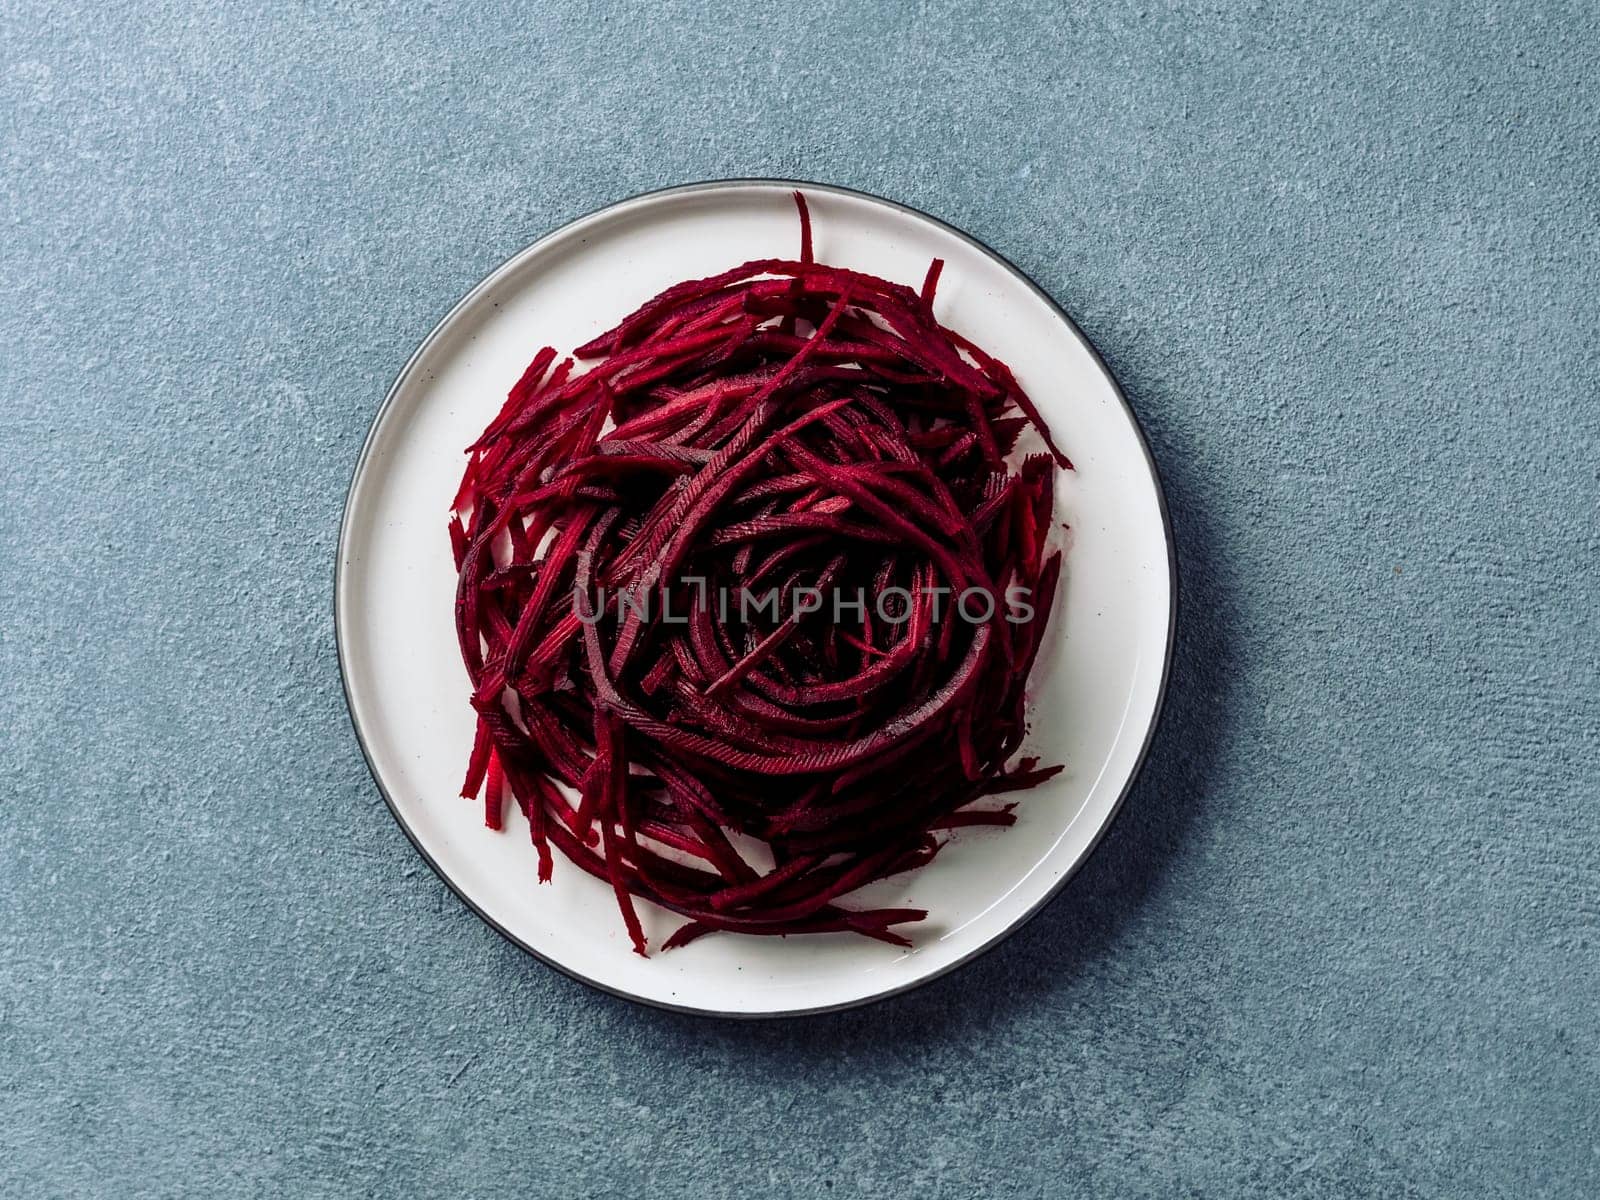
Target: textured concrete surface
<point x="1344" y="940"/>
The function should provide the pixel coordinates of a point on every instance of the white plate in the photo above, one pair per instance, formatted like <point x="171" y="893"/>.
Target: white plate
<point x="1097" y="689"/>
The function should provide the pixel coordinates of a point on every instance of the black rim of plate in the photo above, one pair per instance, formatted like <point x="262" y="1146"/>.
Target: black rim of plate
<point x="1022" y="277"/>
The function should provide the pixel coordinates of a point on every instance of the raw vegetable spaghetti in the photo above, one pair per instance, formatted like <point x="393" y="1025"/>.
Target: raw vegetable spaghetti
<point x="749" y="605"/>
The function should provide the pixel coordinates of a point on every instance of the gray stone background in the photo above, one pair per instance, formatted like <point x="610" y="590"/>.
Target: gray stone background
<point x="1343" y="940"/>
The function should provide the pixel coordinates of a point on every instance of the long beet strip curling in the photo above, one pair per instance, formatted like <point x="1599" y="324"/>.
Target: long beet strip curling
<point x="708" y="597"/>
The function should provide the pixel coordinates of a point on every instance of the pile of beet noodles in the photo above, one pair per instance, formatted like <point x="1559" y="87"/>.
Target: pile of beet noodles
<point x="783" y="425"/>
